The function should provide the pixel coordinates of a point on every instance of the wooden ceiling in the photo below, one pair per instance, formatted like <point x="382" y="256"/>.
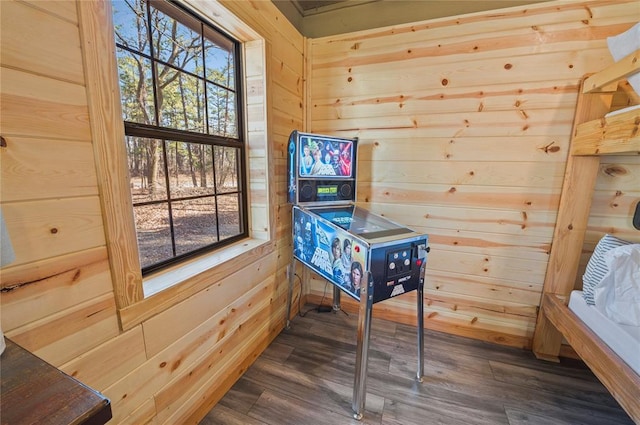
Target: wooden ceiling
<point x="306" y="6"/>
<point x="319" y="18"/>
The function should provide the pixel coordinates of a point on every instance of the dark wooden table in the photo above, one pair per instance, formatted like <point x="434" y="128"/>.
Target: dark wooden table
<point x="34" y="392"/>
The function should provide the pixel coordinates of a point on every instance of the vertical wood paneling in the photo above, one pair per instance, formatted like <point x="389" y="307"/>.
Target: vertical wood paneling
<point x="464" y="125"/>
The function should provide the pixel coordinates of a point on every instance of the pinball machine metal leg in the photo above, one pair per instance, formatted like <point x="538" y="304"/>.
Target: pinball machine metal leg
<point x="420" y="313"/>
<point x="336" y="299"/>
<point x="362" y="351"/>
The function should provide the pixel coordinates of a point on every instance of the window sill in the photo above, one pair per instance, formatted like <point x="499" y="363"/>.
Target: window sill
<point x="174" y="276"/>
<point x="174" y="285"/>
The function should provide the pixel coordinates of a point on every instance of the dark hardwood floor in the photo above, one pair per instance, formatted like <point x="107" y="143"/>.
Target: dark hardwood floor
<point x="306" y="377"/>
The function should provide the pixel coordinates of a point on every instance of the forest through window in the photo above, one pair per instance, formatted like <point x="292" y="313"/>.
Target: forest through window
<point x="181" y="109"/>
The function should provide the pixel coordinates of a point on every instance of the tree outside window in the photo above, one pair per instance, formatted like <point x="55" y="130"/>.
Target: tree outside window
<point x="180" y="101"/>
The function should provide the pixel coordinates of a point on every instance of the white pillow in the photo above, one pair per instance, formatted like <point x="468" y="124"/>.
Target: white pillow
<point x="618" y="294"/>
<point x="596" y="268"/>
<point x="624" y="44"/>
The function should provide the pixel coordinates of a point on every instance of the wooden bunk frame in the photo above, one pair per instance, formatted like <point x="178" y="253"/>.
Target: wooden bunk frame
<point x="593" y="135"/>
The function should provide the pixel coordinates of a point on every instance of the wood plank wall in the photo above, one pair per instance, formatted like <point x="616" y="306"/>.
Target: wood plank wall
<point x="58" y="298"/>
<point x="476" y="163"/>
<point x="464" y="125"/>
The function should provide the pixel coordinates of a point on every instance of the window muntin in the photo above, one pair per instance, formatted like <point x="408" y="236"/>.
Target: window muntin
<point x="183" y="131"/>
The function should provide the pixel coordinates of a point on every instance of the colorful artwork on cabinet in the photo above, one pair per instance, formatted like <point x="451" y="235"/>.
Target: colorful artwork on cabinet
<point x="331" y="252"/>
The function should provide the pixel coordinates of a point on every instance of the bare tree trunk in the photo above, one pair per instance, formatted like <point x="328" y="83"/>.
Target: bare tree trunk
<point x="152" y="167"/>
<point x="176" y="165"/>
<point x="164" y="77"/>
<point x="194" y="180"/>
<point x="186" y="124"/>
<point x="203" y="168"/>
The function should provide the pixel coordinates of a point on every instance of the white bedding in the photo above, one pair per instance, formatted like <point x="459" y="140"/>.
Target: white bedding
<point x="624" y="44"/>
<point x="622" y="111"/>
<point x="623" y="339"/>
<point x="617" y="295"/>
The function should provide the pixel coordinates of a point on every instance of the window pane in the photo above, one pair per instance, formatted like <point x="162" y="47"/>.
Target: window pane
<point x="146" y="165"/>
<point x="190" y="169"/>
<point x="220" y="64"/>
<point x="227" y="166"/>
<point x="136" y="87"/>
<point x="194" y="224"/>
<point x="222" y="111"/>
<point x="154" y="234"/>
<point x="175" y="43"/>
<point x="130" y="23"/>
<point x="177" y="185"/>
<point x="229" y="216"/>
<point x="181" y="100"/>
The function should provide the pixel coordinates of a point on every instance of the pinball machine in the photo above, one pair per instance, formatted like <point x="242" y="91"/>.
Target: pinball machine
<point x="364" y="255"/>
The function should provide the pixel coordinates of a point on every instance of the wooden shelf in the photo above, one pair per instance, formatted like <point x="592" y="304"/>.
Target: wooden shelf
<point x="613" y="135"/>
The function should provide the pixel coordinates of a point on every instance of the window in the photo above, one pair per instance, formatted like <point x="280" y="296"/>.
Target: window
<point x="179" y="86"/>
